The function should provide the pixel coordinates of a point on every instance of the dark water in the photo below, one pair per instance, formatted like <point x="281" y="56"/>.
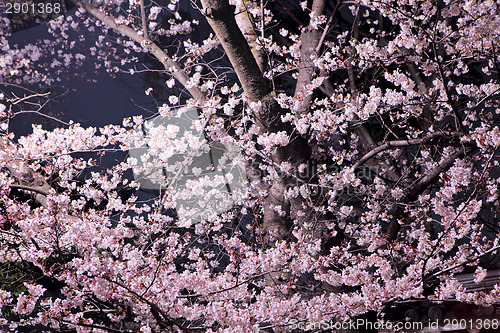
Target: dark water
<point x="89" y="97"/>
<point x="84" y="94"/>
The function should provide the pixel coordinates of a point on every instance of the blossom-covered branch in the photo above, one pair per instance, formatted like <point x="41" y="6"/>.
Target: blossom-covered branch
<point x="169" y="64"/>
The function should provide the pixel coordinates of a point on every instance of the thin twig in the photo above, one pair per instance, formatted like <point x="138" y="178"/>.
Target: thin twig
<point x="229" y="288"/>
<point x="327" y="27"/>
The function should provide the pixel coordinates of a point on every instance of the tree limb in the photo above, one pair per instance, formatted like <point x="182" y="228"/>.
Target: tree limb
<point x="404" y="143"/>
<point x="419" y="187"/>
<point x="170" y="65"/>
<point x="327" y="27"/>
<point x="220" y="16"/>
<point x="27" y="181"/>
<point x="309" y="39"/>
<point x="449" y="269"/>
<point x="247" y="26"/>
<point x="143" y="18"/>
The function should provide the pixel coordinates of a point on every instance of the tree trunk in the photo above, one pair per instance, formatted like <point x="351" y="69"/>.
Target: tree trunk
<point x="221" y="17"/>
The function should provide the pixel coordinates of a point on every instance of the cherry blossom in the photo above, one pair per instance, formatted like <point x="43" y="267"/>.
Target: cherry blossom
<point x="350" y="164"/>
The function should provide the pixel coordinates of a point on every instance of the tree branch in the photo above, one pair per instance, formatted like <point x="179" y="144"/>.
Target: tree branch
<point x="249" y="30"/>
<point x="170" y="65"/>
<point x="430" y="177"/>
<point x="220" y="16"/>
<point x="27" y="181"/>
<point x="458" y="118"/>
<point x="449" y="269"/>
<point x="309" y="39"/>
<point x="160" y="315"/>
<point x="96" y="326"/>
<point x="404" y="143"/>
<point x="419" y="187"/>
<point x="327" y="27"/>
<point x="143" y="18"/>
<point x="250" y="279"/>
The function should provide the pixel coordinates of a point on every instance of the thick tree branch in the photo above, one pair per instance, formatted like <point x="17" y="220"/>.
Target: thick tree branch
<point x="431" y="176"/>
<point x="220" y="16"/>
<point x="404" y="143"/>
<point x="160" y="315"/>
<point x="419" y="187"/>
<point x="40" y="189"/>
<point x="29" y="182"/>
<point x="309" y="39"/>
<point x="249" y="30"/>
<point x="170" y="65"/>
<point x="143" y="18"/>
